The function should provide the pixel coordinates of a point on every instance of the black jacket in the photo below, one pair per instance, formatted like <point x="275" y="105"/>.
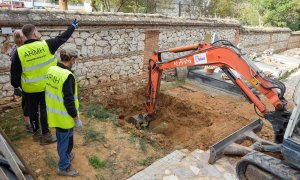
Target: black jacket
<point x="69" y="91"/>
<point x="53" y="44"/>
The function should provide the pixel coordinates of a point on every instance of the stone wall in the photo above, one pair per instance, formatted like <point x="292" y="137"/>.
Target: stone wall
<point x="257" y="40"/>
<point x="294" y="40"/>
<point x="114" y="48"/>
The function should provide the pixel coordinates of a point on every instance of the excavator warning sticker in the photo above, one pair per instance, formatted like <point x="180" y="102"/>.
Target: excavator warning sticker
<point x="200" y="58"/>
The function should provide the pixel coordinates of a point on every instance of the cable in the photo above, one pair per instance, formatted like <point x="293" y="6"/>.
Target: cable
<point x="257" y="112"/>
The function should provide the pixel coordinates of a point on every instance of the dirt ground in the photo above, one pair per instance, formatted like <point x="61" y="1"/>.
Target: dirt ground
<point x="188" y="117"/>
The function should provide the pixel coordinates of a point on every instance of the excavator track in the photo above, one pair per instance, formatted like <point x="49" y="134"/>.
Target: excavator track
<point x="259" y="166"/>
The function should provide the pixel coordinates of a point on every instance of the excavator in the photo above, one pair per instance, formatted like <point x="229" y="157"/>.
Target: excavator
<point x="256" y="163"/>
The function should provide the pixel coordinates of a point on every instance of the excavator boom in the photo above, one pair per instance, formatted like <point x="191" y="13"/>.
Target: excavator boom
<point x="226" y="56"/>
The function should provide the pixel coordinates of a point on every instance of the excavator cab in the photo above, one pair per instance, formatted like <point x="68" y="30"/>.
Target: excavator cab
<point x="291" y="142"/>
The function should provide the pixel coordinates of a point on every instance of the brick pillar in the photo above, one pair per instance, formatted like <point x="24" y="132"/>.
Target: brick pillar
<point x="151" y="44"/>
<point x="288" y="41"/>
<point x="270" y="41"/>
<point x="237" y="36"/>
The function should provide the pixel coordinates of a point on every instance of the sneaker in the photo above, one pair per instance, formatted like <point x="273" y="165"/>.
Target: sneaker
<point x="36" y="136"/>
<point x="28" y="128"/>
<point x="47" y="139"/>
<point x="69" y="172"/>
<point x="71" y="156"/>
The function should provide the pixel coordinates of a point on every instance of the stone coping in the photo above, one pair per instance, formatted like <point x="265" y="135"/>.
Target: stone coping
<point x="247" y="29"/>
<point x="19" y="17"/>
<point x="296" y="33"/>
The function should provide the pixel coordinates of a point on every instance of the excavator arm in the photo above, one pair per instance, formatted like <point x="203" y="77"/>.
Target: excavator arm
<point x="226" y="56"/>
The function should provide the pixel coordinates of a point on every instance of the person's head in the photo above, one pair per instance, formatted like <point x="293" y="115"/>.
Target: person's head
<point x="30" y="31"/>
<point x="68" y="56"/>
<point x="18" y="37"/>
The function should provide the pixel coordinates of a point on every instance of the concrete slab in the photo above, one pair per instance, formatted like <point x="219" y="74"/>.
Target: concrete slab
<point x="276" y="71"/>
<point x="289" y="61"/>
<point x="185" y="165"/>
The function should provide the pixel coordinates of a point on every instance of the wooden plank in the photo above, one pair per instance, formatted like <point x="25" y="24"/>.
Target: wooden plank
<point x="9" y="157"/>
<point x="16" y="158"/>
<point x="27" y="169"/>
<point x="3" y="175"/>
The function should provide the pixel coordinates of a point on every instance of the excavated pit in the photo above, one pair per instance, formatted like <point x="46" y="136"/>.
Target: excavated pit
<point x="190" y="119"/>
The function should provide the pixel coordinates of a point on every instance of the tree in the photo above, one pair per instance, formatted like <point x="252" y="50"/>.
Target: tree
<point x="63" y="5"/>
<point x="283" y="13"/>
<point x="252" y="12"/>
<point x="221" y="8"/>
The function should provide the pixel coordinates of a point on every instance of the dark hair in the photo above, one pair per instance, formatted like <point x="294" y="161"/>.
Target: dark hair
<point x="27" y="30"/>
<point x="64" y="57"/>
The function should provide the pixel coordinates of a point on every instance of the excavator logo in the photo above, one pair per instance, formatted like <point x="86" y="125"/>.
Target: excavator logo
<point x="200" y="58"/>
<point x="183" y="62"/>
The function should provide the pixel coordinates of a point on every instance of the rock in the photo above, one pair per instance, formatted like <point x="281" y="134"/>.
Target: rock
<point x="90" y="41"/>
<point x="102" y="43"/>
<point x="4" y="79"/>
<point x="10" y="93"/>
<point x="98" y="51"/>
<point x="53" y="34"/>
<point x="84" y="50"/>
<point x="84" y="35"/>
<point x="38" y="171"/>
<point x="93" y="81"/>
<point x="97" y="37"/>
<point x="79" y="41"/>
<point x="7" y="86"/>
<point x="115" y="77"/>
<point x="195" y="169"/>
<point x="115" y="49"/>
<point x="171" y="177"/>
<point x="167" y="171"/>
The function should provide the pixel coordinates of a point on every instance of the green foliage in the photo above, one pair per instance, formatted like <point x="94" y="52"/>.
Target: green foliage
<point x="250" y="12"/>
<point x="128" y="6"/>
<point x="97" y="163"/>
<point x="283" y="13"/>
<point x="76" y="1"/>
<point x="143" y="145"/>
<point x="90" y="135"/>
<point x="99" y="112"/>
<point x="50" y="161"/>
<point x="12" y="123"/>
<point x="148" y="161"/>
<point x="132" y="139"/>
<point x="286" y="74"/>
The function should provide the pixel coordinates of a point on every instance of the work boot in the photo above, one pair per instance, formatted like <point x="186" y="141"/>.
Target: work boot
<point x="47" y="139"/>
<point x="36" y="136"/>
<point x="28" y="128"/>
<point x="68" y="172"/>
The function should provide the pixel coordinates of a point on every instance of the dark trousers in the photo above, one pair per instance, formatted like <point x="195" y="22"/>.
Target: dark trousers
<point x="37" y="111"/>
<point x="25" y="106"/>
<point x="65" y="143"/>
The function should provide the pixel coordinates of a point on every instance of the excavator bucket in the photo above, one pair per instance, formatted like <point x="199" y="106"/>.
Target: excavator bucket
<point x="139" y="121"/>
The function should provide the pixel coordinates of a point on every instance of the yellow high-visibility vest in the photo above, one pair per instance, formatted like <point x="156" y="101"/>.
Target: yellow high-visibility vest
<point x="56" y="111"/>
<point x="35" y="59"/>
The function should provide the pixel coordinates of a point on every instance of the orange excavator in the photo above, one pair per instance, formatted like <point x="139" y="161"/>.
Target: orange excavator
<point x="286" y="126"/>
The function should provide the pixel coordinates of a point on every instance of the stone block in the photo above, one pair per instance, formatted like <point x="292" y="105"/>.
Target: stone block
<point x="79" y="41"/>
<point x="84" y="35"/>
<point x="7" y="87"/>
<point x="54" y="34"/>
<point x="90" y="41"/>
<point x="4" y="79"/>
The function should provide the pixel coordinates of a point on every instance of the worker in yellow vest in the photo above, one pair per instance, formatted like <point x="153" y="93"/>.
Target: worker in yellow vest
<point x="28" y="71"/>
<point x="62" y="108"/>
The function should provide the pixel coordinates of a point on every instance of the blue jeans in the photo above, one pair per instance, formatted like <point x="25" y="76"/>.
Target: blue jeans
<point x="64" y="147"/>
